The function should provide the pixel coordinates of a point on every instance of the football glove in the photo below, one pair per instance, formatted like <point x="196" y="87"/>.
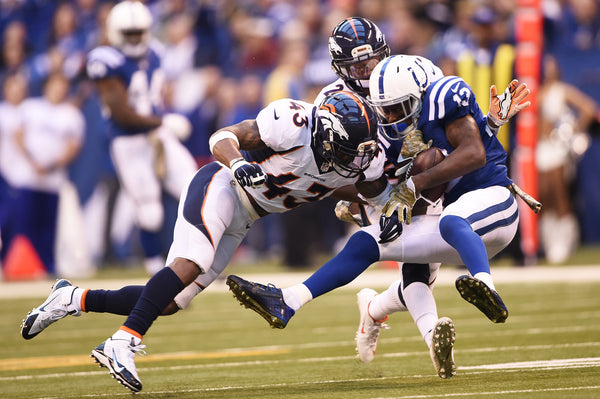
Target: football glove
<point x="507" y="104"/>
<point x="247" y="174"/>
<point x="177" y="125"/>
<point x="413" y="144"/>
<point x="342" y="212"/>
<point x="402" y="199"/>
<point x="390" y="227"/>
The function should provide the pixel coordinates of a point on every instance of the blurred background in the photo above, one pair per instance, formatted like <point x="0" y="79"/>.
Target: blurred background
<point x="225" y="59"/>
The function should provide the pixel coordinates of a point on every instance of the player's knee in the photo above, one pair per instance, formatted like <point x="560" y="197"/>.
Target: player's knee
<point x="150" y="216"/>
<point x="415" y="273"/>
<point x="452" y="226"/>
<point x="171" y="308"/>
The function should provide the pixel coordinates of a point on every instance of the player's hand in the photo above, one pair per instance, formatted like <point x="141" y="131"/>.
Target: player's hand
<point x="247" y="174"/>
<point x="507" y="104"/>
<point x="390" y="226"/>
<point x="177" y="125"/>
<point x="343" y="213"/>
<point x="402" y="199"/>
<point x="413" y="144"/>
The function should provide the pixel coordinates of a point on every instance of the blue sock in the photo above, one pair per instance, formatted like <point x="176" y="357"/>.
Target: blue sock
<point x="114" y="301"/>
<point x="150" y="241"/>
<point x="156" y="296"/>
<point x="457" y="232"/>
<point x="360" y="252"/>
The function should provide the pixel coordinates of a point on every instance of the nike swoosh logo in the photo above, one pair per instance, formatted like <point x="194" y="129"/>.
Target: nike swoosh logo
<point x="455" y="88"/>
<point x="119" y="367"/>
<point x="275" y="114"/>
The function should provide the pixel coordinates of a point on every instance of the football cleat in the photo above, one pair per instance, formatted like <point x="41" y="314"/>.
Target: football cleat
<point x="483" y="297"/>
<point x="117" y="356"/>
<point x="368" y="331"/>
<point x="57" y="306"/>
<point x="266" y="300"/>
<point x="442" y="348"/>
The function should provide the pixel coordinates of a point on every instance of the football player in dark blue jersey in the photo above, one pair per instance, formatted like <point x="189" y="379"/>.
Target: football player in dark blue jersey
<point x="480" y="214"/>
<point x="144" y="143"/>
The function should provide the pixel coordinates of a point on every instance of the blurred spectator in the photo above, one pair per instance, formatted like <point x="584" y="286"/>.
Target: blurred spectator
<point x="48" y="140"/>
<point x="565" y="116"/>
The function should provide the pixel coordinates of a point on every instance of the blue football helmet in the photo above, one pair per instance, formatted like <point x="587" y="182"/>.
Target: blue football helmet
<point x="356" y="45"/>
<point x="346" y="134"/>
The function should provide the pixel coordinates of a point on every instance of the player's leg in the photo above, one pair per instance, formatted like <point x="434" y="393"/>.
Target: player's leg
<point x="277" y="306"/>
<point x="208" y="208"/>
<point x="478" y="225"/>
<point x="133" y="158"/>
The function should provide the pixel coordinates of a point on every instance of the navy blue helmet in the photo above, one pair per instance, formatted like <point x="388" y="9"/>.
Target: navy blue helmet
<point x="346" y="134"/>
<point x="356" y="45"/>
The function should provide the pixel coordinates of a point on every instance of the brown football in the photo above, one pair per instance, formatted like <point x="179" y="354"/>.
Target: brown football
<point x="423" y="161"/>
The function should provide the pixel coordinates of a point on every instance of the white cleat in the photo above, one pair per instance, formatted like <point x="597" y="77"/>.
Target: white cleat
<point x="58" y="305"/>
<point x="368" y="331"/>
<point x="442" y="348"/>
<point x="118" y="355"/>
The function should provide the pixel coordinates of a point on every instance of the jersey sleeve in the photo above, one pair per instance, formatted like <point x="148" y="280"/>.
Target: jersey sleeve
<point x="103" y="62"/>
<point x="285" y="124"/>
<point x="449" y="99"/>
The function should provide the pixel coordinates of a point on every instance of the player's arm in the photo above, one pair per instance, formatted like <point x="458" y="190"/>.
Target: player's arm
<point x="225" y="144"/>
<point x="468" y="155"/>
<point x="113" y="94"/>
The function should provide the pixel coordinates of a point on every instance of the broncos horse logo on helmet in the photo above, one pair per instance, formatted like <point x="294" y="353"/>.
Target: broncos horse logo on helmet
<point x="346" y="135"/>
<point x="356" y="45"/>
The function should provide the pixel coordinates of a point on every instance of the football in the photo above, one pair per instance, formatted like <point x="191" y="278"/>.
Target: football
<point x="423" y="161"/>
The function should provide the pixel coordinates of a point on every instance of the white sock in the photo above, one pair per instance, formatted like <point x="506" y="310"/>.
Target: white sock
<point x="122" y="334"/>
<point x="386" y="303"/>
<point x="486" y="278"/>
<point x="421" y="305"/>
<point x="76" y="298"/>
<point x="296" y="296"/>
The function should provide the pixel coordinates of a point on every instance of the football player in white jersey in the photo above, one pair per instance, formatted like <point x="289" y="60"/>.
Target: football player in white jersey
<point x="144" y="144"/>
<point x="293" y="153"/>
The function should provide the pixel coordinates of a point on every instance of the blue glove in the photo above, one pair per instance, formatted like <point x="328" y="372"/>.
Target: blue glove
<point x="390" y="226"/>
<point x="247" y="174"/>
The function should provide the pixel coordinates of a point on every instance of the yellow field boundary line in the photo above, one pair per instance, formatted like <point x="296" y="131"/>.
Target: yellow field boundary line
<point x="44" y="362"/>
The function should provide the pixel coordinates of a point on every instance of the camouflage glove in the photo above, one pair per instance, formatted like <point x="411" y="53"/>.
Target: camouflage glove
<point x="413" y="144"/>
<point x="342" y="212"/>
<point x="507" y="104"/>
<point x="402" y="199"/>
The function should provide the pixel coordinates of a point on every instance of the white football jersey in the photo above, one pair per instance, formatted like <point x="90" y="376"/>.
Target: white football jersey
<point x="333" y="87"/>
<point x="294" y="178"/>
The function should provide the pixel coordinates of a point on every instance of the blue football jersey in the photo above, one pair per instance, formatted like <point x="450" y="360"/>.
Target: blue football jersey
<point x="445" y="101"/>
<point x="143" y="79"/>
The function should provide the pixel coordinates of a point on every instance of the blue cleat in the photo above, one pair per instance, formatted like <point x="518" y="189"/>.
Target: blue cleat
<point x="483" y="297"/>
<point x="266" y="300"/>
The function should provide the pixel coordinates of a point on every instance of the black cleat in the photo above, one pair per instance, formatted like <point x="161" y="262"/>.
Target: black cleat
<point x="483" y="297"/>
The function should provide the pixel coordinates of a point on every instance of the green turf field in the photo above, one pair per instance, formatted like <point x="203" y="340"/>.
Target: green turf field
<point x="548" y="348"/>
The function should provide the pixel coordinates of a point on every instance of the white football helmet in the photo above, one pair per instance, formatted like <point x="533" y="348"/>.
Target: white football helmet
<point x="396" y="89"/>
<point x="129" y="18"/>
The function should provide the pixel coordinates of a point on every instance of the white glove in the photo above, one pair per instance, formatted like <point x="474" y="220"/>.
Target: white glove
<point x="507" y="104"/>
<point x="177" y="125"/>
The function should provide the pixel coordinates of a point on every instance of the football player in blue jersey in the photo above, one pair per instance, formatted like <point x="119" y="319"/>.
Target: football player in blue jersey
<point x="478" y="220"/>
<point x="144" y="143"/>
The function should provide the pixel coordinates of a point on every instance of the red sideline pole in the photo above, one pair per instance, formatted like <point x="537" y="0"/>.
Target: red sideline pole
<point x="529" y="37"/>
